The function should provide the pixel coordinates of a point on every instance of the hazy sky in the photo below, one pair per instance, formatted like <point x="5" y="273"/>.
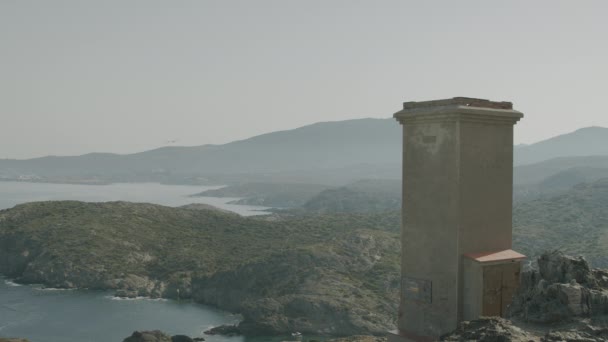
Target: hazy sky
<point x="125" y="76"/>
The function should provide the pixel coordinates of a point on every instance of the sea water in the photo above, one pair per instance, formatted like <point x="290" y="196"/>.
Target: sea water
<point x="52" y="315"/>
<point x="13" y="193"/>
<point x="55" y="315"/>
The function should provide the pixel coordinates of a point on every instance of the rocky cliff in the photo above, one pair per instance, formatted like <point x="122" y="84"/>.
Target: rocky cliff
<point x="563" y="288"/>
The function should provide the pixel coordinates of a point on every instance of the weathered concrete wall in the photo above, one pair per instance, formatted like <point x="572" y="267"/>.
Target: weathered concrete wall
<point x="429" y="233"/>
<point x="472" y="290"/>
<point x="486" y="186"/>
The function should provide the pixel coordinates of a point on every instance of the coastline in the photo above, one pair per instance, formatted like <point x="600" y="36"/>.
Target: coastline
<point x="237" y="317"/>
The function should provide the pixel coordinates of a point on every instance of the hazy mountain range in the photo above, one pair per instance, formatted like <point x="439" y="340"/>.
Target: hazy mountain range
<point x="321" y="146"/>
<point x="589" y="141"/>
<point x="332" y="153"/>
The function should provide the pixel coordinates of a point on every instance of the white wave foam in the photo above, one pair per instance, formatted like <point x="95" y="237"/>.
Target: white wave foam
<point x="52" y="289"/>
<point x="10" y="283"/>
<point x="137" y="298"/>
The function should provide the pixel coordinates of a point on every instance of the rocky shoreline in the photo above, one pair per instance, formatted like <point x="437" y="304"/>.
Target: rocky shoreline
<point x="233" y="291"/>
<point x="303" y="275"/>
<point x="159" y="336"/>
<point x="563" y="300"/>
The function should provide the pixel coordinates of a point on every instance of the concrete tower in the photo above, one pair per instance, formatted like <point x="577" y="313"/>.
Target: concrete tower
<point x="457" y="261"/>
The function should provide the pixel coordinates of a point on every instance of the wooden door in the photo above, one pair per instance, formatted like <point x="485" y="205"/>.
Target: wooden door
<point x="510" y="282"/>
<point x="499" y="285"/>
<point x="492" y="290"/>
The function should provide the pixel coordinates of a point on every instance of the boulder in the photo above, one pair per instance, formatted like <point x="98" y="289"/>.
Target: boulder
<point x="182" y="338"/>
<point x="148" y="336"/>
<point x="555" y="267"/>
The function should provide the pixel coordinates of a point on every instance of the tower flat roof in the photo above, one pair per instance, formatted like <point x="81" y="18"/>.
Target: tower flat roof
<point x="459" y="101"/>
<point x="507" y="254"/>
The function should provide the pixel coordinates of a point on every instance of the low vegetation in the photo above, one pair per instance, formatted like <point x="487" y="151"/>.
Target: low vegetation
<point x="317" y="274"/>
<point x="575" y="222"/>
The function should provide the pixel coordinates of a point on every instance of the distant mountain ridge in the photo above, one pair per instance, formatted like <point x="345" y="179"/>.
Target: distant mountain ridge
<point x="325" y="145"/>
<point x="325" y="153"/>
<point x="588" y="141"/>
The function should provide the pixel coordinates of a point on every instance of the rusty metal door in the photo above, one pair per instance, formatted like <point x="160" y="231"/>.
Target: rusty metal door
<point x="499" y="285"/>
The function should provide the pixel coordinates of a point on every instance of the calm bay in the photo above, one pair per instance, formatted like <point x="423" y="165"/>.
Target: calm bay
<point x="52" y="315"/>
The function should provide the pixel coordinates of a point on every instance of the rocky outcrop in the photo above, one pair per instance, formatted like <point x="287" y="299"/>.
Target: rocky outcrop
<point x="178" y="286"/>
<point x="562" y="288"/>
<point x="159" y="336"/>
<point x="148" y="336"/>
<point x="224" y="330"/>
<point x="132" y="286"/>
<point x="359" y="338"/>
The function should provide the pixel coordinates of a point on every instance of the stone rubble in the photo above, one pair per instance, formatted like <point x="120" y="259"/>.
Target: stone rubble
<point x="489" y="329"/>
